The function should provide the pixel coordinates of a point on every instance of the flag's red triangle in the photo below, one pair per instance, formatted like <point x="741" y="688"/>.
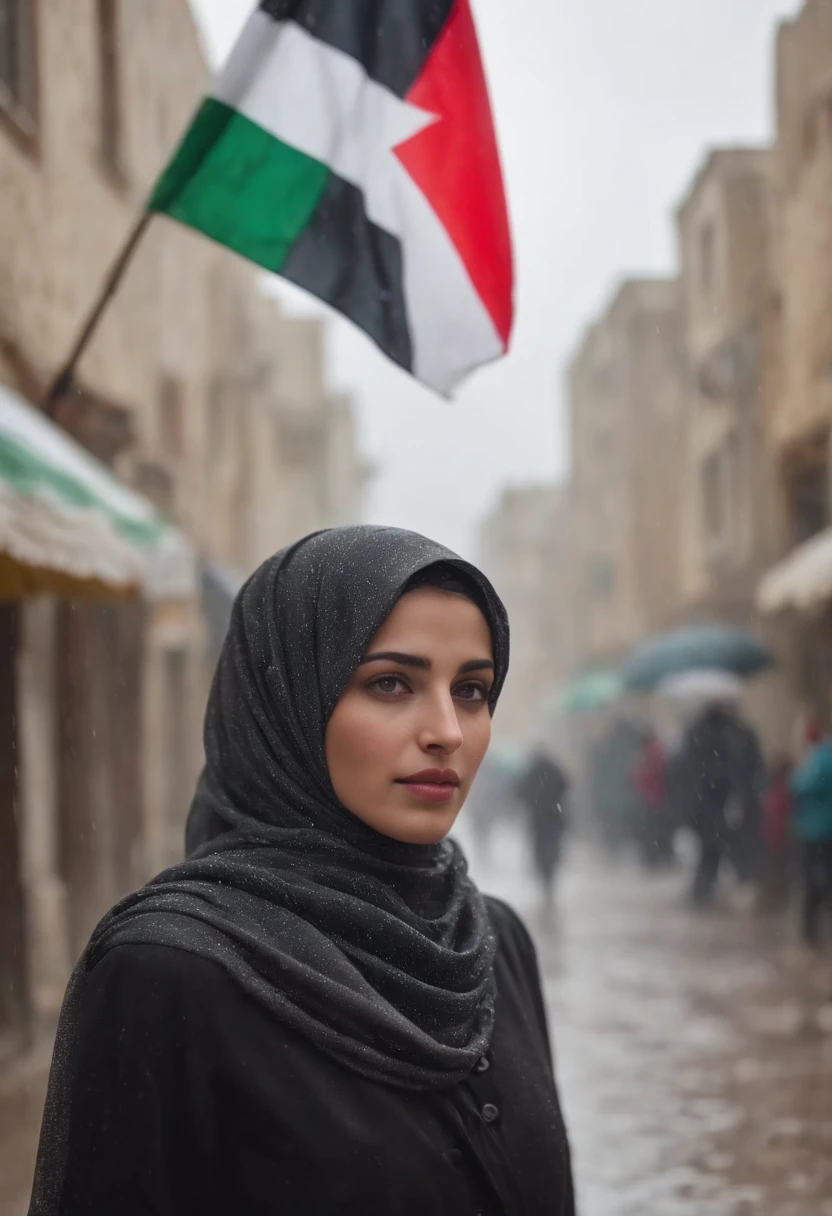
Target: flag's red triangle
<point x="456" y="164"/>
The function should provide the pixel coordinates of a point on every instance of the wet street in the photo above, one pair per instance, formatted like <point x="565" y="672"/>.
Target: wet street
<point x="694" y="1053"/>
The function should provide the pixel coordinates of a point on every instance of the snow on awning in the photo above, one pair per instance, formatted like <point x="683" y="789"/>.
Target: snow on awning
<point x="803" y="580"/>
<point x="65" y="519"/>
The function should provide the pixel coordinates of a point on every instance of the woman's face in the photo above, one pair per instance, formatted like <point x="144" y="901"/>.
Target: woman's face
<point x="409" y="732"/>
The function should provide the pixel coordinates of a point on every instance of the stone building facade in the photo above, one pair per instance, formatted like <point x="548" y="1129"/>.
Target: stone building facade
<point x="198" y="392"/>
<point x="627" y="426"/>
<point x="799" y="430"/>
<point x="732" y="524"/>
<point x="281" y="449"/>
<point x="723" y="233"/>
<point x="93" y="95"/>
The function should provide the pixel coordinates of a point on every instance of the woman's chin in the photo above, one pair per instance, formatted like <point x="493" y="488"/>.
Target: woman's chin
<point x="416" y="826"/>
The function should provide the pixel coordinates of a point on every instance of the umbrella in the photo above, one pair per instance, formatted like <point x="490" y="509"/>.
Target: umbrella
<point x="715" y="647"/>
<point x="703" y="684"/>
<point x="590" y="692"/>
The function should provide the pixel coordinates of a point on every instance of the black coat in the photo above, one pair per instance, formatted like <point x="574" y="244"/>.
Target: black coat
<point x="720" y="763"/>
<point x="189" y="1100"/>
<point x="542" y="789"/>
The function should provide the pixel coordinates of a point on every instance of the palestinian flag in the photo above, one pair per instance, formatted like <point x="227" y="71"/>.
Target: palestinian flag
<point x="348" y="145"/>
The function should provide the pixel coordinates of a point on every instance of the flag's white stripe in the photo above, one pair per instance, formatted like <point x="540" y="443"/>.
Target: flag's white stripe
<point x="451" y="329"/>
<point x="319" y="100"/>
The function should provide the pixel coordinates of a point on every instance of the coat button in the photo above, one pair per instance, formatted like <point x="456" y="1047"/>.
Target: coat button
<point x="490" y="1113"/>
<point x="483" y="1064"/>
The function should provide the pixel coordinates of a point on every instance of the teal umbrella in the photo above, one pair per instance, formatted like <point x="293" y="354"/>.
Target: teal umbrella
<point x="714" y="647"/>
<point x="591" y="692"/>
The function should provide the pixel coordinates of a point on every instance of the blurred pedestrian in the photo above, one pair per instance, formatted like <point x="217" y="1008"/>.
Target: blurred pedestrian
<point x="319" y="1011"/>
<point x="542" y="789"/>
<point x="656" y="828"/>
<point x="721" y="768"/>
<point x="617" y="804"/>
<point x="811" y="784"/>
<point x="748" y="778"/>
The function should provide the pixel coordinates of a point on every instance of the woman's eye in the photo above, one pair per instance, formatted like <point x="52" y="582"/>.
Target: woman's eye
<point x="388" y="685"/>
<point x="471" y="691"/>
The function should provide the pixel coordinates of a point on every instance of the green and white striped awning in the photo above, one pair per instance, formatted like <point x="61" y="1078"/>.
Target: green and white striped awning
<point x="66" y="523"/>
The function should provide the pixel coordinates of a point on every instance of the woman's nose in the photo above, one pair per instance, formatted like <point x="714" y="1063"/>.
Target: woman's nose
<point x="441" y="730"/>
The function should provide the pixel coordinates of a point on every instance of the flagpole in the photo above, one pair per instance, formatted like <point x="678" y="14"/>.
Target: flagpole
<point x="63" y="381"/>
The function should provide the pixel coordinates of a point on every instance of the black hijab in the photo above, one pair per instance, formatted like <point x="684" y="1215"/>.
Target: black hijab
<point x="378" y="952"/>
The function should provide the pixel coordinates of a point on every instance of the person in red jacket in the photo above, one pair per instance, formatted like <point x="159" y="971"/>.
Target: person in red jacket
<point x="655" y="831"/>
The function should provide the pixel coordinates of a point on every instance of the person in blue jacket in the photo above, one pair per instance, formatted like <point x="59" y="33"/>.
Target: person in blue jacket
<point x="811" y="785"/>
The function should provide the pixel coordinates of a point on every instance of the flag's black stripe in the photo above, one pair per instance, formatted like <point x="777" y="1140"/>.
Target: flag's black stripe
<point x="391" y="38"/>
<point x="355" y="266"/>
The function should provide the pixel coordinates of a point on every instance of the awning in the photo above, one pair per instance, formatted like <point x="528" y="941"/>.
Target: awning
<point x="803" y="580"/>
<point x="67" y="525"/>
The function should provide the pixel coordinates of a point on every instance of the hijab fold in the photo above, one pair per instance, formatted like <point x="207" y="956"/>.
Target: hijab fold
<point x="379" y="953"/>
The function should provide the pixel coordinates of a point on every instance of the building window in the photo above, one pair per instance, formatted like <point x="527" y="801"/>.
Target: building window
<point x="706" y="257"/>
<point x="109" y="87"/>
<point x="171" y="417"/>
<point x="17" y="76"/>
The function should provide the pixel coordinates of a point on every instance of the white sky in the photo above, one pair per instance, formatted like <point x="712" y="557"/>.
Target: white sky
<point x="604" y="110"/>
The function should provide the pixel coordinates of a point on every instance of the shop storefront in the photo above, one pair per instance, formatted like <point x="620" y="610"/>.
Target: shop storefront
<point x="85" y="566"/>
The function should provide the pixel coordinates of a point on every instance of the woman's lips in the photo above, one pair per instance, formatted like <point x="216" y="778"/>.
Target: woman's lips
<point x="431" y="791"/>
<point x="432" y="785"/>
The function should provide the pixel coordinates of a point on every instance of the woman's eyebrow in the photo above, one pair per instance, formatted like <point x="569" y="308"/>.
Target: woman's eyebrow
<point x="396" y="656"/>
<point x="477" y="665"/>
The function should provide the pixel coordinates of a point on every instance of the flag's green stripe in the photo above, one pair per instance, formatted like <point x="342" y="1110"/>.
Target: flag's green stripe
<point x="236" y="183"/>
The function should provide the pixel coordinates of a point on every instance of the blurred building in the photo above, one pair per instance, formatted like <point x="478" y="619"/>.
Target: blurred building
<point x="92" y="101"/>
<point x="700" y="412"/>
<point x="730" y="528"/>
<point x="280" y="449"/>
<point x="196" y="391"/>
<point x="627" y="426"/>
<point x="800" y="419"/>
<point x="556" y="617"/>
<point x="518" y="548"/>
<point x="723" y="230"/>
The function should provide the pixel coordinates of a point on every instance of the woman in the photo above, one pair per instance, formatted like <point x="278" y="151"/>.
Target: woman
<point x="318" y="1012"/>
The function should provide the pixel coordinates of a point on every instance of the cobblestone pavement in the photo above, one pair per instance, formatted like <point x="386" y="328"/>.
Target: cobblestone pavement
<point x="694" y="1053"/>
